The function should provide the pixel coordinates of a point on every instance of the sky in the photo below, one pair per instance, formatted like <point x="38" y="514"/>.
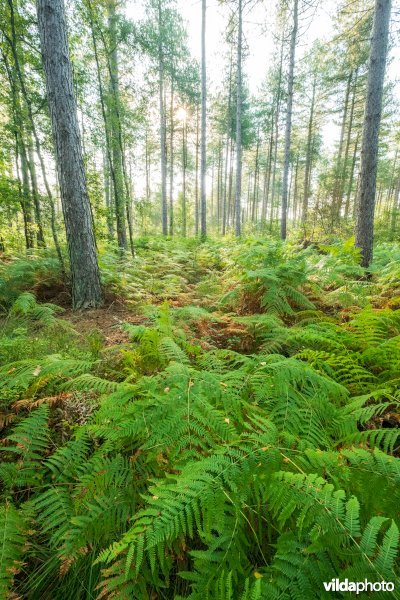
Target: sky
<point x="258" y="27"/>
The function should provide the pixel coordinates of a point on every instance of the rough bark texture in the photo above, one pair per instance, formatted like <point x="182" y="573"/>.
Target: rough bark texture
<point x="239" y="124"/>
<point x="288" y="130"/>
<point x="364" y="230"/>
<point x="203" y="203"/>
<point x="86" y="287"/>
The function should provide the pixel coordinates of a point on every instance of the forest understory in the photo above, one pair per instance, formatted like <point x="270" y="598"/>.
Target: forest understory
<point x="226" y="427"/>
<point x="199" y="300"/>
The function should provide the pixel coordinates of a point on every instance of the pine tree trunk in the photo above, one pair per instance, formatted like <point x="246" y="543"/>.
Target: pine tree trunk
<point x="268" y="173"/>
<point x="171" y="163"/>
<point x="395" y="210"/>
<point x="239" y="123"/>
<point x="344" y="169"/>
<point x="115" y="130"/>
<point x="351" y="178"/>
<point x="364" y="230"/>
<point x="288" y="129"/>
<point x="86" y="286"/>
<point x="164" y="208"/>
<point x="277" y="114"/>
<point x="26" y="201"/>
<point x="184" y="219"/>
<point x="336" y="189"/>
<point x="203" y="200"/>
<point x="35" y="195"/>
<point x="307" y="171"/>
<point x="196" y="177"/>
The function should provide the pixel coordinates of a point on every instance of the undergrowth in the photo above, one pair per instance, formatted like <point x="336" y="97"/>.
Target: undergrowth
<point x="242" y="442"/>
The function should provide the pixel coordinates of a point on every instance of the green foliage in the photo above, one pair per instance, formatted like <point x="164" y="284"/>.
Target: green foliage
<point x="207" y="473"/>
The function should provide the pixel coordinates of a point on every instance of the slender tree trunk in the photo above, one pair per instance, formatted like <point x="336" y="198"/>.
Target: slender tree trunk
<point x="86" y="286"/>
<point x="230" y="185"/>
<point x="35" y="194"/>
<point x="107" y="195"/>
<point x="13" y="44"/>
<point x="115" y="129"/>
<point x="344" y="169"/>
<point x="184" y="160"/>
<point x="277" y="114"/>
<point x="351" y="178"/>
<point x="196" y="177"/>
<point x="268" y="173"/>
<point x="295" y="195"/>
<point x="203" y="200"/>
<point x="212" y="211"/>
<point x="219" y="186"/>
<point x="288" y="130"/>
<point x="364" y="230"/>
<point x="164" y="210"/>
<point x="26" y="201"/>
<point x="239" y="123"/>
<point x="307" y="170"/>
<point x="395" y="210"/>
<point x="255" y="183"/>
<point x="171" y="163"/>
<point x="336" y="188"/>
<point x="147" y="159"/>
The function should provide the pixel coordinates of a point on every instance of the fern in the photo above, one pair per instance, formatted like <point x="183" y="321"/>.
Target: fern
<point x="13" y="538"/>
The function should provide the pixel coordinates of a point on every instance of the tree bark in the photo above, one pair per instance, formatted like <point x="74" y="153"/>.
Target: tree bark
<point x="364" y="230"/>
<point x="196" y="178"/>
<point x="288" y="129"/>
<point x="164" y="208"/>
<point x="238" y="211"/>
<point x="184" y="220"/>
<point x="171" y="162"/>
<point x="203" y="201"/>
<point x="307" y="170"/>
<point x="343" y="173"/>
<point x="115" y="129"/>
<point x="86" y="286"/>
<point x="351" y="178"/>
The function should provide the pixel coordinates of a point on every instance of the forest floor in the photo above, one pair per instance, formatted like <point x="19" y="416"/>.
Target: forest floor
<point x="207" y="362"/>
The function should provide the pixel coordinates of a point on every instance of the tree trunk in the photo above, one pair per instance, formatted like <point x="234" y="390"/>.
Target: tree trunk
<point x="267" y="177"/>
<point x="164" y="208"/>
<point x="196" y="177"/>
<point x="35" y="194"/>
<point x="86" y="286"/>
<point x="203" y="167"/>
<point x="336" y="189"/>
<point x="343" y="173"/>
<point x="171" y="162"/>
<point x="364" y="230"/>
<point x="26" y="201"/>
<point x="254" y="210"/>
<point x="115" y="129"/>
<point x="351" y="178"/>
<point x="395" y="210"/>
<point x="288" y="130"/>
<point x="184" y="219"/>
<point x="307" y="170"/>
<point x="107" y="194"/>
<point x="203" y="201"/>
<point x="239" y="124"/>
